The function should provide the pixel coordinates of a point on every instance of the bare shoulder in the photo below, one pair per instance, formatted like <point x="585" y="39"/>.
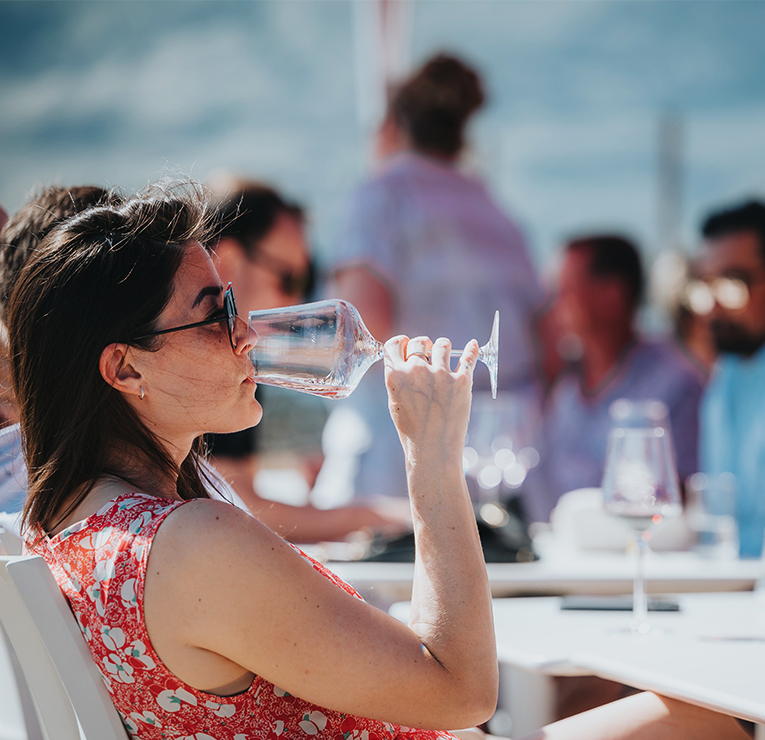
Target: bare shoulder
<point x="210" y="529"/>
<point x="218" y="547"/>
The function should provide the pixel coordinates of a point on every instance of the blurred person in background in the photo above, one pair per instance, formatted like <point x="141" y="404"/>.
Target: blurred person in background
<point x="600" y="287"/>
<point x="427" y="250"/>
<point x="19" y="238"/>
<point x="264" y="253"/>
<point x="731" y="295"/>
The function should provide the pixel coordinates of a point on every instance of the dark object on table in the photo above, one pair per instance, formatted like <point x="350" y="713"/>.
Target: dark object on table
<point x="622" y="603"/>
<point x="504" y="538"/>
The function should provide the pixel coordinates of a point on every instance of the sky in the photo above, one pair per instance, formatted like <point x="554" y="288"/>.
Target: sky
<point x="119" y="92"/>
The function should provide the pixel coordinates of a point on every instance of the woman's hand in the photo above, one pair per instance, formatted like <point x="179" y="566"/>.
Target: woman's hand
<point x="429" y="403"/>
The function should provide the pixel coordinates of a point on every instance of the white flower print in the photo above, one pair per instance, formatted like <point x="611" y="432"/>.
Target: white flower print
<point x="120" y="669"/>
<point x="101" y="538"/>
<point x="244" y="737"/>
<point x="84" y="628"/>
<point x="138" y="549"/>
<point x="137" y="650"/>
<point x="127" y="593"/>
<point x="130" y="726"/>
<point x="127" y="503"/>
<point x="278" y="727"/>
<point x="280" y="692"/>
<point x="96" y="595"/>
<point x="104" y="569"/>
<point x="140" y="522"/>
<point x="113" y="637"/>
<point x="73" y="580"/>
<point x="313" y="723"/>
<point x="199" y="736"/>
<point x="222" y="710"/>
<point x="69" y="531"/>
<point x="148" y="718"/>
<point x="171" y="701"/>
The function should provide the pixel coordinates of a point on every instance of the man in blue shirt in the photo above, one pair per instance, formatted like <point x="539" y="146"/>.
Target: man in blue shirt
<point x="731" y="292"/>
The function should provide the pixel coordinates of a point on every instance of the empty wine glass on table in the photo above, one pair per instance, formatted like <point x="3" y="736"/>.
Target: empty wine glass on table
<point x="323" y="348"/>
<point x="640" y="485"/>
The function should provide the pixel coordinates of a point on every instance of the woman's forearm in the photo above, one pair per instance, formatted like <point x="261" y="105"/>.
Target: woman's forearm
<point x="451" y="599"/>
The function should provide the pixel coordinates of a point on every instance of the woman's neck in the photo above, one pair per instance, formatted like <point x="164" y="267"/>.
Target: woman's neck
<point x="144" y="479"/>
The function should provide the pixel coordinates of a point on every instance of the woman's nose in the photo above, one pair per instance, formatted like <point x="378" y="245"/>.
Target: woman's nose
<point x="244" y="337"/>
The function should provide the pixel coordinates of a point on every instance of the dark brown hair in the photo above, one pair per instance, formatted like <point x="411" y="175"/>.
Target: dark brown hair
<point x="103" y="276"/>
<point x="435" y="103"/>
<point x="614" y="256"/>
<point x="32" y="222"/>
<point x="748" y="216"/>
<point x="249" y="212"/>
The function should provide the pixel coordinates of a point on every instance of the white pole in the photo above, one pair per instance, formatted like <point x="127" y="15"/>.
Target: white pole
<point x="382" y="48"/>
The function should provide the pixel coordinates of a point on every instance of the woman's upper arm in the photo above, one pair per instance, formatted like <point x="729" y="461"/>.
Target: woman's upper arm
<point x="241" y="592"/>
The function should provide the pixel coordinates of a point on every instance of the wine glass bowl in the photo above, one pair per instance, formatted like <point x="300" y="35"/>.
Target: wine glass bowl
<point x="639" y="481"/>
<point x="324" y="348"/>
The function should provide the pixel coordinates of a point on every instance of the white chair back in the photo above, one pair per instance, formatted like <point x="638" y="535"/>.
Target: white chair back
<point x="11" y="543"/>
<point x="70" y="695"/>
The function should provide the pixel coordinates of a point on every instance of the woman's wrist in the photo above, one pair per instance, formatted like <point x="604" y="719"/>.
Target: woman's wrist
<point x="442" y="480"/>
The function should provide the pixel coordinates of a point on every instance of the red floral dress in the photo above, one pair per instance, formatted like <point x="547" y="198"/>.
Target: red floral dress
<point x="100" y="564"/>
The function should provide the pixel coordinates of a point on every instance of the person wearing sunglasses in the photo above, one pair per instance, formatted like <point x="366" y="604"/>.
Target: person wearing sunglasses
<point x="263" y="251"/>
<point x="729" y="293"/>
<point x="125" y="350"/>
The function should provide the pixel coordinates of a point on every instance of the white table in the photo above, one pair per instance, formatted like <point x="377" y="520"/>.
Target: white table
<point x="572" y="573"/>
<point x="710" y="653"/>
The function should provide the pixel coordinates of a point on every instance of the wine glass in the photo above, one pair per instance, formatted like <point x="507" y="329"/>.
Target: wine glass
<point x="324" y="348"/>
<point x="640" y="485"/>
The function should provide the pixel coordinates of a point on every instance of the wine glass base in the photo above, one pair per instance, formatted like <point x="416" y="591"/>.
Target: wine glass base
<point x="639" y="629"/>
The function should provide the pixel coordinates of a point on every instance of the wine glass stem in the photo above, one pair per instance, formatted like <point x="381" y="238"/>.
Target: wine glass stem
<point x="639" y="598"/>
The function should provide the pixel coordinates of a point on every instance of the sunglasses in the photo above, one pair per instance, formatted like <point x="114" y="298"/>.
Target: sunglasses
<point x="731" y="294"/>
<point x="228" y="314"/>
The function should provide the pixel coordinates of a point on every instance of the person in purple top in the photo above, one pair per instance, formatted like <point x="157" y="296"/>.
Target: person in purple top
<point x="599" y="292"/>
<point x="427" y="249"/>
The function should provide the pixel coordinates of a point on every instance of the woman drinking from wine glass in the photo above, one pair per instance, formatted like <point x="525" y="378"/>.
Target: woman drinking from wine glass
<point x="125" y="349"/>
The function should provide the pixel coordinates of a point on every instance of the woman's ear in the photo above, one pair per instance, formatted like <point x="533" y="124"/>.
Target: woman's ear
<point x="118" y="372"/>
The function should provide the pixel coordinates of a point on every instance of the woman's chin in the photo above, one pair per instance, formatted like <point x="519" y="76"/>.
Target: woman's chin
<point x="243" y="419"/>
